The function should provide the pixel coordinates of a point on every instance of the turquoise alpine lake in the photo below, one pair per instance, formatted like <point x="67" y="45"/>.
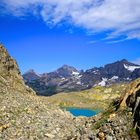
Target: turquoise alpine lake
<point x="82" y="112"/>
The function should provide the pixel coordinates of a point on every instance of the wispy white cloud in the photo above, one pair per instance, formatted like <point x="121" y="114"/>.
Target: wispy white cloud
<point x="119" y="17"/>
<point x="116" y="41"/>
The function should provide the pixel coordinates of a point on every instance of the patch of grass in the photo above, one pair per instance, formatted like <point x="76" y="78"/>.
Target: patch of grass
<point x="132" y="132"/>
<point x="100" y="123"/>
<point x="104" y="118"/>
<point x="62" y="104"/>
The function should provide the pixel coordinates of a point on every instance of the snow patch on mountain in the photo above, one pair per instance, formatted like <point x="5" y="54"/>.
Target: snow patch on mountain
<point x="79" y="76"/>
<point x="95" y="71"/>
<point x="79" y="83"/>
<point x="63" y="78"/>
<point x="103" y="82"/>
<point x="131" y="68"/>
<point x="75" y="73"/>
<point x="114" y="78"/>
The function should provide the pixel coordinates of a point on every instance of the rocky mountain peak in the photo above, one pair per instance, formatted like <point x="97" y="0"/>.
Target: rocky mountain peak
<point x="127" y="64"/>
<point x="122" y="69"/>
<point x="31" y="71"/>
<point x="124" y="61"/>
<point x="7" y="63"/>
<point x="31" y="75"/>
<point x="66" y="71"/>
<point x="8" y="66"/>
<point x="9" y="72"/>
<point x="67" y="68"/>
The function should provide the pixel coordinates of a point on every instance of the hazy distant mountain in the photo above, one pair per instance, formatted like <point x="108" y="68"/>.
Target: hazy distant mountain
<point x="67" y="78"/>
<point x="31" y="75"/>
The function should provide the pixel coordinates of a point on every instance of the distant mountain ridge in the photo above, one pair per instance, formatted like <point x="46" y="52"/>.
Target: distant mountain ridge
<point x="68" y="78"/>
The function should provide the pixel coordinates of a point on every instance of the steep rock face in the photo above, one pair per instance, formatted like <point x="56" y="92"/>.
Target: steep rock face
<point x="9" y="72"/>
<point x="135" y="74"/>
<point x="131" y="91"/>
<point x="131" y="99"/>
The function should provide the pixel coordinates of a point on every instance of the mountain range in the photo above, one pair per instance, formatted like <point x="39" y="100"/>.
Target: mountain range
<point x="68" y="78"/>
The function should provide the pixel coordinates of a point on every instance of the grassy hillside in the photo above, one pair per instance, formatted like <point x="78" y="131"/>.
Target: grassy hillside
<point x="95" y="98"/>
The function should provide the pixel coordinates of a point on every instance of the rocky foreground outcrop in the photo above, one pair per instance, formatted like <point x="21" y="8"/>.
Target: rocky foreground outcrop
<point x="10" y="77"/>
<point x="23" y="115"/>
<point x="131" y="99"/>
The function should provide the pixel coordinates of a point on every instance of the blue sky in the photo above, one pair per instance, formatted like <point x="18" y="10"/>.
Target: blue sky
<point x="44" y="40"/>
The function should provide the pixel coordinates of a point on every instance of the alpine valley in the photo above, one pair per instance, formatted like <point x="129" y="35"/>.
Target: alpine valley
<point x="26" y="116"/>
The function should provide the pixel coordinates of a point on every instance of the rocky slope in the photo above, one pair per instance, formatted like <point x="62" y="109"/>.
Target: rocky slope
<point x="67" y="78"/>
<point x="23" y="115"/>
